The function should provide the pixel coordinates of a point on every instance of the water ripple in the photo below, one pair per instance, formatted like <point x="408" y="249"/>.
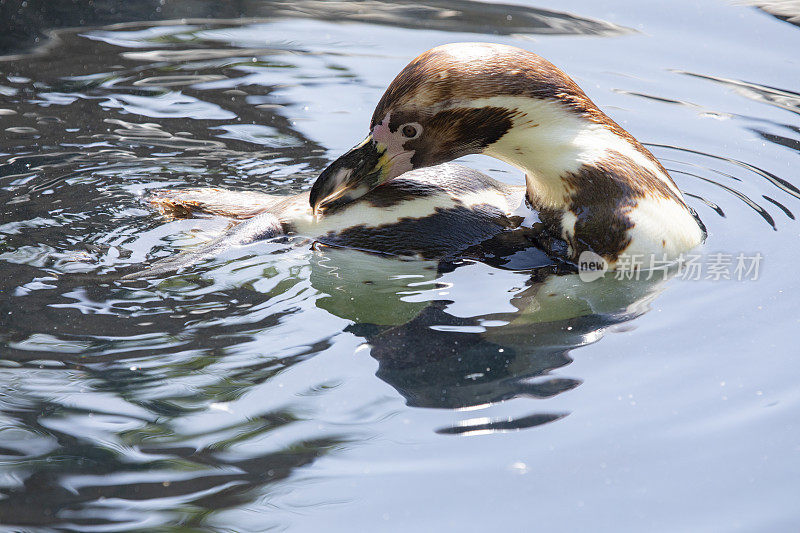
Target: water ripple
<point x="270" y="380"/>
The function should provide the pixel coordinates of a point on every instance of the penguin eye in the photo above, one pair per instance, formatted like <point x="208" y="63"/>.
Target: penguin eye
<point x="409" y="131"/>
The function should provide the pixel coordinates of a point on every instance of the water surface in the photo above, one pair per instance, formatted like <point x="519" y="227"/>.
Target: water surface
<point x="281" y="386"/>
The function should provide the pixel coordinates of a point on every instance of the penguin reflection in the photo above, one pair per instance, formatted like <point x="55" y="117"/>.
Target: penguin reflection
<point x="438" y="352"/>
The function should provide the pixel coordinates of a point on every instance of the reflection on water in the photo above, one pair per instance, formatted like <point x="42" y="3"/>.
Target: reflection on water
<point x="258" y="389"/>
<point x="30" y="19"/>
<point x="788" y="11"/>
<point x="785" y="99"/>
<point x="439" y="352"/>
<point x="781" y="184"/>
<point x="171" y="385"/>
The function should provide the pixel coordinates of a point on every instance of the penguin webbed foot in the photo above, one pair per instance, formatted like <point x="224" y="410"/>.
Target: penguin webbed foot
<point x="184" y="203"/>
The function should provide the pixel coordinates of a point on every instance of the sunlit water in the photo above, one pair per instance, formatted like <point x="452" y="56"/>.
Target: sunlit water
<point x="284" y="387"/>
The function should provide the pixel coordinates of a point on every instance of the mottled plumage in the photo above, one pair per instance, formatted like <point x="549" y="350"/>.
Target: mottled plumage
<point x="432" y="212"/>
<point x="592" y="184"/>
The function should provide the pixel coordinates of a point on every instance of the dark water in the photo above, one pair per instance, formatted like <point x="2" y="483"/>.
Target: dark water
<point x="280" y="387"/>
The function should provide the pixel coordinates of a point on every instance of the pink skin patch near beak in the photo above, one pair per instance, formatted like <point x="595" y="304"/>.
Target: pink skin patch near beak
<point x="399" y="159"/>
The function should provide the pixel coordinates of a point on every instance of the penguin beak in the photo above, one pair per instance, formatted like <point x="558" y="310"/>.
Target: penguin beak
<point x="351" y="176"/>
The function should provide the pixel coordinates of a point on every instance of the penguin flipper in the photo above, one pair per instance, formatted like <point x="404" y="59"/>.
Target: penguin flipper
<point x="260" y="227"/>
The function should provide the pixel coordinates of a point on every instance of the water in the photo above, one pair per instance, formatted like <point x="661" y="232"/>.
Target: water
<point x="284" y="387"/>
